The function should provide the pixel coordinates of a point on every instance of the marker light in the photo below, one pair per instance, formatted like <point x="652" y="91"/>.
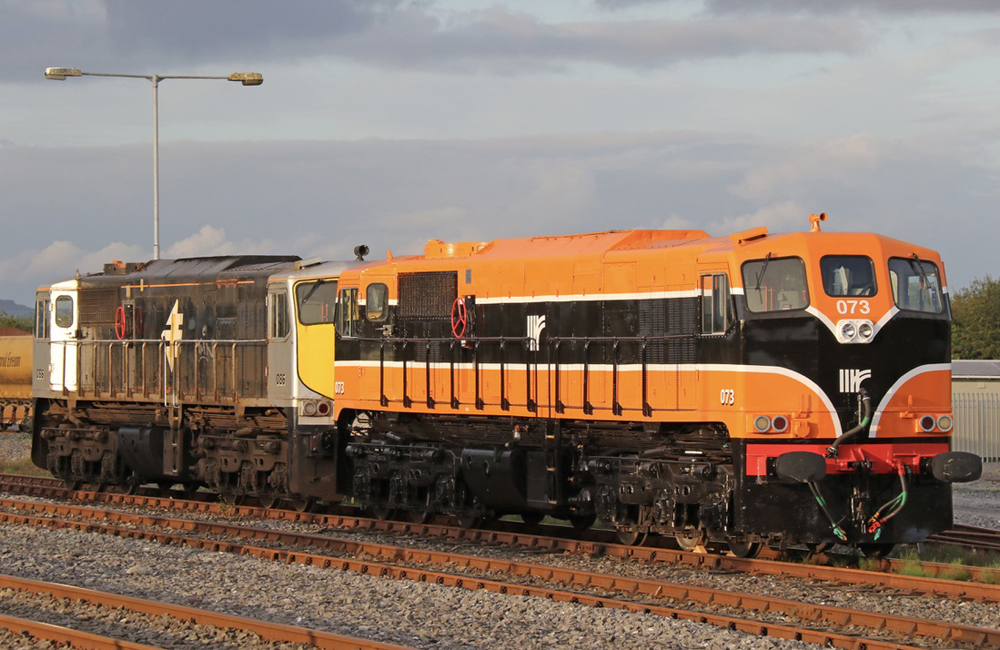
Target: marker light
<point x="945" y="423"/>
<point x="309" y="408"/>
<point x="762" y="424"/>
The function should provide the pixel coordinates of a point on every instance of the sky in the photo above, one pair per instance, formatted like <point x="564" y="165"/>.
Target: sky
<point x="392" y="122"/>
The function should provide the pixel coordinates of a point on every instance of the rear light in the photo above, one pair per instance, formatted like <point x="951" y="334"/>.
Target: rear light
<point x="315" y="408"/>
<point x="927" y="423"/>
<point x="779" y="423"/>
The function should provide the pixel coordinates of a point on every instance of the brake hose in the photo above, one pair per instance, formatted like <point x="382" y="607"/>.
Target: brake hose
<point x="837" y="530"/>
<point x="876" y="521"/>
<point x="866" y="403"/>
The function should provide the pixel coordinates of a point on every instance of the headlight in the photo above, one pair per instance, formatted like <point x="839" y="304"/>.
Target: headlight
<point x="848" y="330"/>
<point x="866" y="330"/>
<point x="762" y="424"/>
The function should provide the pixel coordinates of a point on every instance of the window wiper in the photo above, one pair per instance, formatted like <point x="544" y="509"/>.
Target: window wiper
<point x="311" y="291"/>
<point x="918" y="265"/>
<point x="760" y="276"/>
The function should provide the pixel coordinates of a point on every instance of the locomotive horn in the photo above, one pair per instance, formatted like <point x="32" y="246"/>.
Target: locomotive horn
<point x="814" y="219"/>
<point x="361" y="251"/>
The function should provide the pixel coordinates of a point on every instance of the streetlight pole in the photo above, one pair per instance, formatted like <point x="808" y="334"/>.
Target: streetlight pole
<point x="245" y="78"/>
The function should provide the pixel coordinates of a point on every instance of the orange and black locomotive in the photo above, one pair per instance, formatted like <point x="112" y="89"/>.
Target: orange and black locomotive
<point x="790" y="388"/>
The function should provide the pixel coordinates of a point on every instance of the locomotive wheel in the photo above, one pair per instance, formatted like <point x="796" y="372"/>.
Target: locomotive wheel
<point x="232" y="498"/>
<point x="385" y="513"/>
<point x="744" y="549"/>
<point x="689" y="540"/>
<point x="420" y="516"/>
<point x="131" y="484"/>
<point x="270" y="500"/>
<point x="581" y="523"/>
<point x="532" y="518"/>
<point x="876" y="551"/>
<point x="470" y="520"/>
<point x="304" y="504"/>
<point x="631" y="537"/>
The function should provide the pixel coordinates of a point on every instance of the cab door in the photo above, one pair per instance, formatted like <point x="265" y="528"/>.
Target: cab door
<point x="64" y="339"/>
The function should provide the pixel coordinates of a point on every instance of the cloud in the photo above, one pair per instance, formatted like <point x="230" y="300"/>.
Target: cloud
<point x="99" y="36"/>
<point x="821" y="6"/>
<point x="324" y="198"/>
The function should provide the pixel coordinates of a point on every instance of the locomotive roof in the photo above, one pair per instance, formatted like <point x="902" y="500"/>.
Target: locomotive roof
<point x="319" y="270"/>
<point x="201" y="266"/>
<point x="190" y="269"/>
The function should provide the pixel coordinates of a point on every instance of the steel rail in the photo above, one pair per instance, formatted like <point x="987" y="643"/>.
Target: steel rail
<point x="59" y="634"/>
<point x="635" y="587"/>
<point x="973" y="537"/>
<point x="983" y="584"/>
<point x="278" y="632"/>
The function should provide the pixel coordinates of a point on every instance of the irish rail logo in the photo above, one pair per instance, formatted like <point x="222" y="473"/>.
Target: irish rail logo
<point x="851" y="378"/>
<point x="535" y="326"/>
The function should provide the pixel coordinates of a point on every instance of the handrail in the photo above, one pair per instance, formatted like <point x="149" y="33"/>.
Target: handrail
<point x="112" y="375"/>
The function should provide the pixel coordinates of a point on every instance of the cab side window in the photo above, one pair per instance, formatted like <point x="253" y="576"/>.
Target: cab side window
<point x="42" y="319"/>
<point x="376" y="302"/>
<point x="775" y="284"/>
<point x="716" y="304"/>
<point x="279" y="315"/>
<point x="64" y="311"/>
<point x="347" y="313"/>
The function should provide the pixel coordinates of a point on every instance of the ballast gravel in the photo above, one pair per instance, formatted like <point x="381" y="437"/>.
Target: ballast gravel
<point x="412" y="614"/>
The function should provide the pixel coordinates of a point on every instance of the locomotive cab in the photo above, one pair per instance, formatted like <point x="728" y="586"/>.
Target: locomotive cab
<point x="862" y="322"/>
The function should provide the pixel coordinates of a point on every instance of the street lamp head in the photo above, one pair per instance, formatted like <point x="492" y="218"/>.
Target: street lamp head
<point x="60" y="74"/>
<point x="247" y="78"/>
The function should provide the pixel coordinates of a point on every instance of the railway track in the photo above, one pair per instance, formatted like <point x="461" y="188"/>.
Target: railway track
<point x="477" y="573"/>
<point x="971" y="537"/>
<point x="231" y="630"/>
<point x="891" y="572"/>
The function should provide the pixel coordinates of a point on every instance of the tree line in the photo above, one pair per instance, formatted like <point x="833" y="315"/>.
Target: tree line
<point x="24" y="323"/>
<point x="975" y="310"/>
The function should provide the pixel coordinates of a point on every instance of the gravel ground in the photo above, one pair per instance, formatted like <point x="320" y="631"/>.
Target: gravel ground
<point x="978" y="503"/>
<point x="406" y="613"/>
<point x="15" y="446"/>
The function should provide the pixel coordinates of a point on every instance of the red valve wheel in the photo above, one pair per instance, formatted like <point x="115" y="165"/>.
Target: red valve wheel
<point x="120" y="323"/>
<point x="459" y="318"/>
